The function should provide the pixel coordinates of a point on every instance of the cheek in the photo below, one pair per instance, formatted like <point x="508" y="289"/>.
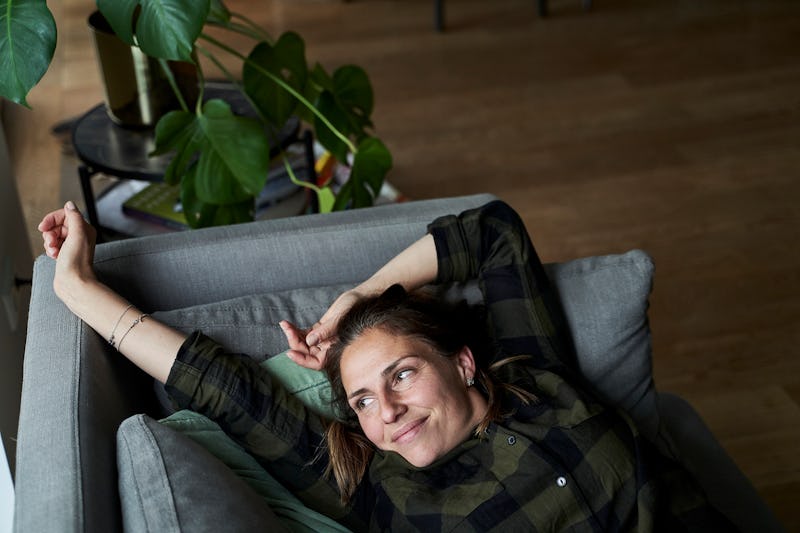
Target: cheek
<point x="372" y="428"/>
<point x="443" y="389"/>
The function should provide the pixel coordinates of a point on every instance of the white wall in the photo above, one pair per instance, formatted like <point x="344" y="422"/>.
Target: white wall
<point x="6" y="496"/>
<point x="15" y="261"/>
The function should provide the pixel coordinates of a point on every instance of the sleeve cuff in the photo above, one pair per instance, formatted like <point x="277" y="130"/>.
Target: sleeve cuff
<point x="193" y="359"/>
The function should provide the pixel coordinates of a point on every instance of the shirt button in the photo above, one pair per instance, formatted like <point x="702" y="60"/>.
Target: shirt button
<point x="511" y="440"/>
<point x="561" y="481"/>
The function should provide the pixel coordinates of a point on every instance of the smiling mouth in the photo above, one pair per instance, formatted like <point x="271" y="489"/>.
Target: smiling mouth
<point x="408" y="431"/>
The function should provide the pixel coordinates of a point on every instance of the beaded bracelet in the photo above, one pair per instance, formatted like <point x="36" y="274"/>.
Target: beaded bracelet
<point x="133" y="325"/>
<point x="111" y="338"/>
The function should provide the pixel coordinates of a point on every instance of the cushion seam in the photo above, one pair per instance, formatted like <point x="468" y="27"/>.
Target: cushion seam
<point x="139" y="499"/>
<point x="586" y="270"/>
<point x="164" y="478"/>
<point x="75" y="407"/>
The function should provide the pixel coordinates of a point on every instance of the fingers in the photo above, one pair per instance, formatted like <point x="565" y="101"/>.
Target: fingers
<point x="58" y="225"/>
<point x="52" y="243"/>
<point x="51" y="247"/>
<point x="294" y="335"/>
<point x="327" y="327"/>
<point x="51" y="220"/>
<point x="304" y="360"/>
<point x="319" y="332"/>
<point x="51" y="227"/>
<point x="308" y="356"/>
<point x="73" y="220"/>
<point x="55" y="227"/>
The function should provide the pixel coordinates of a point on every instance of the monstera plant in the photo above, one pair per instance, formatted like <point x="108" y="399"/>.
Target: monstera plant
<point x="221" y="159"/>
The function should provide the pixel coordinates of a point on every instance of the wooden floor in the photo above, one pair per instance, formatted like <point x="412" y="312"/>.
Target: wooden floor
<point x="668" y="126"/>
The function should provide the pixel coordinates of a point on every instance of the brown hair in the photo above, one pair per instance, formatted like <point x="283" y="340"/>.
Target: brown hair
<point x="420" y="315"/>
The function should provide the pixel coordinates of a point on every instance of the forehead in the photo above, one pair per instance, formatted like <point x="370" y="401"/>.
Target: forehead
<point x="373" y="351"/>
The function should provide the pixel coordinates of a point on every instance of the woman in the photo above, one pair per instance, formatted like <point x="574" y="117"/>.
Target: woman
<point x="438" y="432"/>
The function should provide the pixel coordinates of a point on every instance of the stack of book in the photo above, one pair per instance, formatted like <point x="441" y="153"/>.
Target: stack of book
<point x="134" y="207"/>
<point x="159" y="203"/>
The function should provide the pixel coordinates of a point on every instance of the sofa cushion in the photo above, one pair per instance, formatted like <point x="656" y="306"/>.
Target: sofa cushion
<point x="605" y="299"/>
<point x="287" y="507"/>
<point x="249" y="324"/>
<point x="168" y="483"/>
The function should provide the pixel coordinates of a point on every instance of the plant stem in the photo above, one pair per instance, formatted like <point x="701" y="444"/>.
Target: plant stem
<point x="231" y="79"/>
<point x="172" y="83"/>
<point x="243" y="29"/>
<point x="286" y="87"/>
<point x="325" y="200"/>
<point x="255" y="28"/>
<point x="201" y="83"/>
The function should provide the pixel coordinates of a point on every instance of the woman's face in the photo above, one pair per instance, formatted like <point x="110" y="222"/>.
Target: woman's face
<point x="409" y="399"/>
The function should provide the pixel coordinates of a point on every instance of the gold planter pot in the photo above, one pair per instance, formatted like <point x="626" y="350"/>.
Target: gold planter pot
<point x="137" y="93"/>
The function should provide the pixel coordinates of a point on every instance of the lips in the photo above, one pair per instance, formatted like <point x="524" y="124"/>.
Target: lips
<point x="408" y="431"/>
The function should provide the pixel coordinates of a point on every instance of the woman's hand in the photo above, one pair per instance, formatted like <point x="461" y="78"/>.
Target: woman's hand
<point x="70" y="240"/>
<point x="325" y="329"/>
<point x="308" y="356"/>
<point x="309" y="347"/>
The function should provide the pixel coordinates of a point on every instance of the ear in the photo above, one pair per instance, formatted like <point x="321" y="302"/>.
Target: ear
<point x="465" y="362"/>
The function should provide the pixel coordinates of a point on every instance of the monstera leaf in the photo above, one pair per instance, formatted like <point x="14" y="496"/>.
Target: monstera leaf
<point x="27" y="44"/>
<point x="201" y="214"/>
<point x="221" y="161"/>
<point x="285" y="60"/>
<point x="372" y="162"/>
<point x="218" y="13"/>
<point x="166" y="29"/>
<point x="346" y="99"/>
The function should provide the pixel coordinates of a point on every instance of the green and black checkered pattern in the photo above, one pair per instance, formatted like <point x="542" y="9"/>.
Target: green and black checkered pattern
<point x="563" y="463"/>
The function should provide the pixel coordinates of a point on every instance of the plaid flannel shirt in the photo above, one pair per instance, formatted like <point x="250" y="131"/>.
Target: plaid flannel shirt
<point x="565" y="462"/>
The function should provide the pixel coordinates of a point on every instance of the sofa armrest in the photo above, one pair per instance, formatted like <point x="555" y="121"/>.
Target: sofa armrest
<point x="77" y="390"/>
<point x="74" y="393"/>
<point x="727" y="488"/>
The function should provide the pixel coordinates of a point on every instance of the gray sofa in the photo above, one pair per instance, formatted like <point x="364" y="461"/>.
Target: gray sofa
<point x="91" y="456"/>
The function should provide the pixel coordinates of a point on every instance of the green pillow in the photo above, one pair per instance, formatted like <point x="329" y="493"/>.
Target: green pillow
<point x="310" y="386"/>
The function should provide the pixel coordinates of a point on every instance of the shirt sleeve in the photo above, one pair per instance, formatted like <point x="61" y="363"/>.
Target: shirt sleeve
<point x="490" y="244"/>
<point x="271" y="424"/>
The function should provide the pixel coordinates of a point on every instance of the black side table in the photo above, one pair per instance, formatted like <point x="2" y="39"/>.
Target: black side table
<point x="103" y="146"/>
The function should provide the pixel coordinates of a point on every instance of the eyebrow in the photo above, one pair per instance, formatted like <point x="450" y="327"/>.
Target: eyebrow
<point x="385" y="372"/>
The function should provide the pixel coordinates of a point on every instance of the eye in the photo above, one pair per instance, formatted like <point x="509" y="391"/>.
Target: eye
<point x="403" y="378"/>
<point x="362" y="403"/>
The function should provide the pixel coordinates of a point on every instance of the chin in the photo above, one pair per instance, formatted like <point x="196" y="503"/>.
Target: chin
<point x="420" y="460"/>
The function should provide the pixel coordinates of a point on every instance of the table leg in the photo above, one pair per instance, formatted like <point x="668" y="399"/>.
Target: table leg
<point x="311" y="173"/>
<point x="86" y="174"/>
<point x="438" y="15"/>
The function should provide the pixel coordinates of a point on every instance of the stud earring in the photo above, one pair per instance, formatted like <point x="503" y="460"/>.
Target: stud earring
<point x="470" y="381"/>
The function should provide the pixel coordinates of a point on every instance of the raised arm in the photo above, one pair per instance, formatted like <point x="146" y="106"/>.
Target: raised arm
<point x="412" y="268"/>
<point x="149" y="344"/>
<point x="490" y="244"/>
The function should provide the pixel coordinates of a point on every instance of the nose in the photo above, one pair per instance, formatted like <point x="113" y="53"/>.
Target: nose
<point x="392" y="407"/>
